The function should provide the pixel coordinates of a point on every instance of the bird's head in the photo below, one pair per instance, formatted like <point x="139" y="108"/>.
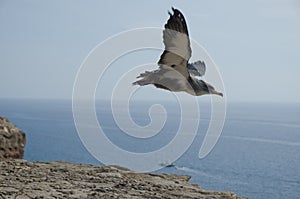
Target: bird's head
<point x="212" y="90"/>
<point x="216" y="93"/>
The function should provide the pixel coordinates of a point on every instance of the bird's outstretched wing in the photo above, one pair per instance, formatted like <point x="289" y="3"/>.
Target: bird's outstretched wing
<point x="197" y="68"/>
<point x="177" y="44"/>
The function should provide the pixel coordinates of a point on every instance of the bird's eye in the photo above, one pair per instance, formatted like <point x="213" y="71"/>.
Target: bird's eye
<point x="173" y="65"/>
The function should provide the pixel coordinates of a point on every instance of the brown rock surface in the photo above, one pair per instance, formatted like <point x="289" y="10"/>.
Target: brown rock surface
<point x="22" y="179"/>
<point x="12" y="140"/>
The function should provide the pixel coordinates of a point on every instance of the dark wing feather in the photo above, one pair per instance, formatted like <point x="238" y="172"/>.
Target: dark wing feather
<point x="197" y="68"/>
<point x="177" y="44"/>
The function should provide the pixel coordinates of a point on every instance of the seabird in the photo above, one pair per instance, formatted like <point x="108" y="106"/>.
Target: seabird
<point x="175" y="73"/>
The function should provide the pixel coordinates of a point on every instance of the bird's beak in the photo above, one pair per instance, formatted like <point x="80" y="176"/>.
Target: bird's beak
<point x="217" y="93"/>
<point x="221" y="94"/>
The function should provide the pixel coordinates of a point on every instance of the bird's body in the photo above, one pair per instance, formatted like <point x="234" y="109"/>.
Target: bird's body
<point x="175" y="73"/>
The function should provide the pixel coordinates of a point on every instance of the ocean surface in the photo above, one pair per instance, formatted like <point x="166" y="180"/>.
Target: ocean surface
<point x="257" y="155"/>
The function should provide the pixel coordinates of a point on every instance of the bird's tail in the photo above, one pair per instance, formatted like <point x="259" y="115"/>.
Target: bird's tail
<point x="146" y="79"/>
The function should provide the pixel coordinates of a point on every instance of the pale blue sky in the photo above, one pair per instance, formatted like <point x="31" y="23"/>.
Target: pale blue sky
<point x="255" y="44"/>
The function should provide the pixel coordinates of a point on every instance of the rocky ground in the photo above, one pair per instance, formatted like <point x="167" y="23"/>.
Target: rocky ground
<point x="22" y="179"/>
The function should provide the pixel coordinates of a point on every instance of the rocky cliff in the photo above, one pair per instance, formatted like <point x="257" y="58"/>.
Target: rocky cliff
<point x="22" y="179"/>
<point x="12" y="140"/>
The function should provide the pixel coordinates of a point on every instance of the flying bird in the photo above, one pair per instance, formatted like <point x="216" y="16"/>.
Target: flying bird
<point x="175" y="73"/>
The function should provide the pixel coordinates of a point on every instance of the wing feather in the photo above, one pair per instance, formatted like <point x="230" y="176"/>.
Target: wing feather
<point x="177" y="44"/>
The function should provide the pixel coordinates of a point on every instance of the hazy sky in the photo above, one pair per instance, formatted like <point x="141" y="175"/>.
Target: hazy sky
<point x="255" y="44"/>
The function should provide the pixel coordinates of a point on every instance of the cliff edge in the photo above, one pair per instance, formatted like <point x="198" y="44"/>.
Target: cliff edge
<point x="22" y="179"/>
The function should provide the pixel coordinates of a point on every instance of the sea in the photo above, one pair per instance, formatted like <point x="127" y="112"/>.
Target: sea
<point x="256" y="156"/>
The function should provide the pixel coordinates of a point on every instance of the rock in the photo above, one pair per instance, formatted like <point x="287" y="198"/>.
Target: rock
<point x="68" y="180"/>
<point x="12" y="140"/>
